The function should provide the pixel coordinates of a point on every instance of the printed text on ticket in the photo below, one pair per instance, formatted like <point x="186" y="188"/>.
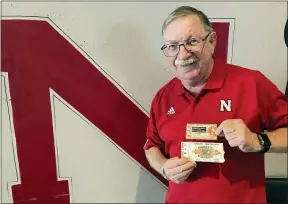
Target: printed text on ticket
<point x="201" y="131"/>
<point x="203" y="151"/>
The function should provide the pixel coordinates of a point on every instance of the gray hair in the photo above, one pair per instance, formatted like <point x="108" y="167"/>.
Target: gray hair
<point x="183" y="11"/>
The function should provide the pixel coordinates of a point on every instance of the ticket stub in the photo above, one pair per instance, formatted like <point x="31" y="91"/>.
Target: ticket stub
<point x="201" y="131"/>
<point x="203" y="151"/>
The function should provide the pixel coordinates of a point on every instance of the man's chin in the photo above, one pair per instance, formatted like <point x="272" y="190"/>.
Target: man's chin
<point x="192" y="74"/>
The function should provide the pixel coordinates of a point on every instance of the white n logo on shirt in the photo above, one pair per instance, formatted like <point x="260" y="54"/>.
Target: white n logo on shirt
<point x="225" y="105"/>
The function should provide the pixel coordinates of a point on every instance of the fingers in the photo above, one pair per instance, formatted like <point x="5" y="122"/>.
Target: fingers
<point x="236" y="133"/>
<point x="180" y="169"/>
<point x="181" y="177"/>
<point x="180" y="173"/>
<point x="176" y="161"/>
<point x="219" y="129"/>
<point x="221" y="134"/>
<point x="234" y="142"/>
<point x="228" y="130"/>
<point x="226" y="127"/>
<point x="182" y="161"/>
<point x="242" y="146"/>
<point x="230" y="136"/>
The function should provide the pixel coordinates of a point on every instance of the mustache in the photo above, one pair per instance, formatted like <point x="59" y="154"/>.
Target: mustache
<point x="187" y="61"/>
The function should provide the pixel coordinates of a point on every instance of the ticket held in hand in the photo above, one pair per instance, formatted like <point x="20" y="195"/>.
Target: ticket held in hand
<point x="202" y="151"/>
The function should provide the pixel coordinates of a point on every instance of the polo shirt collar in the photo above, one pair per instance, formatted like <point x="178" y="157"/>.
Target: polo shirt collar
<point x="215" y="81"/>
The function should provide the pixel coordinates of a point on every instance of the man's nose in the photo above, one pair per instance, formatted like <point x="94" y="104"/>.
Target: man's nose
<point x="183" y="53"/>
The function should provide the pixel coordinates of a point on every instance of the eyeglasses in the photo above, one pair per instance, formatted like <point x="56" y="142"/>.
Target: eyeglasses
<point x="193" y="44"/>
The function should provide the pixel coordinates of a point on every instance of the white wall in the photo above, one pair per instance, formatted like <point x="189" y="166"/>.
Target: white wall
<point x="136" y="63"/>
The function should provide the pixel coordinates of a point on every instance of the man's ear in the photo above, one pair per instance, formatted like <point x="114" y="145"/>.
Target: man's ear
<point x="213" y="41"/>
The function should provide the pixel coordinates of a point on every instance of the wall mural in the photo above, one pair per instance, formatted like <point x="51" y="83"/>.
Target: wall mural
<point x="38" y="59"/>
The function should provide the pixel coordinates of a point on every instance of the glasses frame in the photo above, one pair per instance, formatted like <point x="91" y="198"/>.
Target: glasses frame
<point x="184" y="45"/>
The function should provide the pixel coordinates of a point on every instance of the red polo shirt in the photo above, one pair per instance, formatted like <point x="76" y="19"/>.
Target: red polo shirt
<point x="254" y="99"/>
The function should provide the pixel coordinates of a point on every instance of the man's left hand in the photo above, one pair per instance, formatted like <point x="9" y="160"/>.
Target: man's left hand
<point x="238" y="135"/>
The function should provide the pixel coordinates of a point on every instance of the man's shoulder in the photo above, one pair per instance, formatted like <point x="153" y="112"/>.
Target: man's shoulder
<point x="242" y="70"/>
<point x="249" y="77"/>
<point x="244" y="77"/>
<point x="244" y="73"/>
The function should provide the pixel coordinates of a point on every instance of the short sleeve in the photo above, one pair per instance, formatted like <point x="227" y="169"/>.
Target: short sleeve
<point x="273" y="104"/>
<point x="153" y="138"/>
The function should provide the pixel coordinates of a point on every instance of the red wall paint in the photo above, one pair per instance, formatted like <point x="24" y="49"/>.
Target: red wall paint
<point x="222" y="31"/>
<point x="37" y="57"/>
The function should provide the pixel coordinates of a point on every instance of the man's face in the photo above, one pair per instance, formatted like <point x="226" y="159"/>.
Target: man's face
<point x="189" y="65"/>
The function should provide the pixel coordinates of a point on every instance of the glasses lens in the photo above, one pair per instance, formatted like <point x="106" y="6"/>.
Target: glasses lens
<point x="191" y="45"/>
<point x="171" y="49"/>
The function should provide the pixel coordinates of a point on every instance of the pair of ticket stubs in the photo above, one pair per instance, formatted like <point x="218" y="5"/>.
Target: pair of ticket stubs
<point x="202" y="151"/>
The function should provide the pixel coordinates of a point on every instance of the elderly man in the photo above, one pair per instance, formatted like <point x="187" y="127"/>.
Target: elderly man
<point x="249" y="111"/>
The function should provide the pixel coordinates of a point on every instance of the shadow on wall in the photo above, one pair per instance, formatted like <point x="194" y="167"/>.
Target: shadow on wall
<point x="130" y="51"/>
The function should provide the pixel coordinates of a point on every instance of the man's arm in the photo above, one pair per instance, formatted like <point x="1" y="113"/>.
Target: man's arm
<point x="239" y="135"/>
<point x="155" y="158"/>
<point x="176" y="169"/>
<point x="278" y="138"/>
<point x="273" y="109"/>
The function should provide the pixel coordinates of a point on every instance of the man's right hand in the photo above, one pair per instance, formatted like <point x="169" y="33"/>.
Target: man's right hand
<point x="178" y="169"/>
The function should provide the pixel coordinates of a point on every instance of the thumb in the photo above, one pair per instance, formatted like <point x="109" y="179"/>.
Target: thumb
<point x="194" y="164"/>
<point x="219" y="129"/>
<point x="174" y="158"/>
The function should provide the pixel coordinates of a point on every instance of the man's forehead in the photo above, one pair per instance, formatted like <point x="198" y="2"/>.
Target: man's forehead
<point x="183" y="28"/>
